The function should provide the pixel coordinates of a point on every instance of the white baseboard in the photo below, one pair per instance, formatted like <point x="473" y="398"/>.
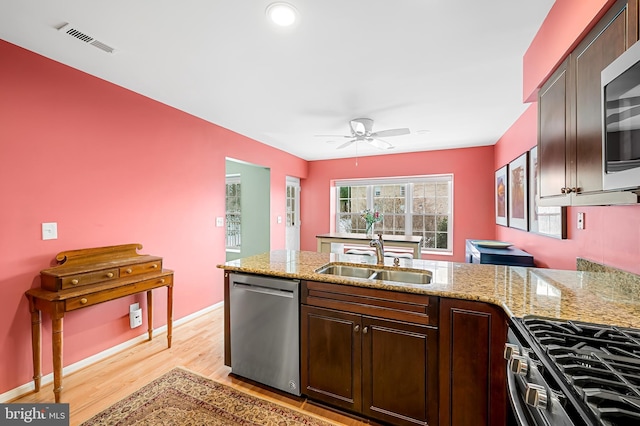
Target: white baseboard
<point x="46" y="379"/>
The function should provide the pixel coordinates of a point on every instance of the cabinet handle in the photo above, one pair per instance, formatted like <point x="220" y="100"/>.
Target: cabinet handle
<point x="74" y="281"/>
<point x="356" y="328"/>
<point x="365" y="330"/>
<point x="128" y="271"/>
<point x="110" y="275"/>
<point x="154" y="266"/>
<point x="83" y="300"/>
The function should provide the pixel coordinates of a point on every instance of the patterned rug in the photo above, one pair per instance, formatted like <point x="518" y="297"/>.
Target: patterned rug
<point x="181" y="397"/>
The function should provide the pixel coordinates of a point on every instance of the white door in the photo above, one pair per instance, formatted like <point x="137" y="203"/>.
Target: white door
<point x="293" y="214"/>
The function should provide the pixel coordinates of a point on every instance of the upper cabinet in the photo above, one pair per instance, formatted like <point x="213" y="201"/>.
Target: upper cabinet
<point x="569" y="115"/>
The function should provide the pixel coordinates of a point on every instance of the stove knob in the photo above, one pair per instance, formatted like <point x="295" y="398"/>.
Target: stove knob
<point x="510" y="350"/>
<point x="519" y="365"/>
<point x="536" y="396"/>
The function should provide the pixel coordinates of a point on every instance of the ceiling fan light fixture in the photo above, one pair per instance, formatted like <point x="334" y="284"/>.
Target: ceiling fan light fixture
<point x="282" y="14"/>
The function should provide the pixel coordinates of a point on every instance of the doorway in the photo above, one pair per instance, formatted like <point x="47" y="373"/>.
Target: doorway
<point x="247" y="209"/>
<point x="293" y="214"/>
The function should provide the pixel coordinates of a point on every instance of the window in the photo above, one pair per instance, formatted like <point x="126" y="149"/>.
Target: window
<point x="418" y="205"/>
<point x="233" y="213"/>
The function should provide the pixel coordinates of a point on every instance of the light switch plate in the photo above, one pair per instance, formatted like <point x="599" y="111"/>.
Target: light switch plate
<point x="219" y="221"/>
<point x="580" y="220"/>
<point x="50" y="231"/>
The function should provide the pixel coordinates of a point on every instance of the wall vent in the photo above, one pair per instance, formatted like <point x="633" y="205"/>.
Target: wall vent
<point x="75" y="33"/>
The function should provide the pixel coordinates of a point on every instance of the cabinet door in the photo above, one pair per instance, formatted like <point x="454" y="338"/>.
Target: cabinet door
<point x="471" y="368"/>
<point x="399" y="372"/>
<point x="553" y="113"/>
<point x="330" y="357"/>
<point x="604" y="43"/>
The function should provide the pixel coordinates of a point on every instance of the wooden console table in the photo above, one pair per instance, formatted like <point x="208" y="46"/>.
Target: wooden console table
<point x="412" y="242"/>
<point x="87" y="277"/>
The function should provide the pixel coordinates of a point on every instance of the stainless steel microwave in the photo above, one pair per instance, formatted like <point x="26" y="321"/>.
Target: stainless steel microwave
<point x="621" y="121"/>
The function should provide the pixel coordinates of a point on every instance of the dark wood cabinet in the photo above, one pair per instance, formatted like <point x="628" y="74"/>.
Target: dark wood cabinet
<point x="472" y="371"/>
<point x="570" y="116"/>
<point x="331" y="357"/>
<point x="382" y="367"/>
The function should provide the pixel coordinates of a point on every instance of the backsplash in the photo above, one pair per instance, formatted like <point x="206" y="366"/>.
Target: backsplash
<point x="629" y="282"/>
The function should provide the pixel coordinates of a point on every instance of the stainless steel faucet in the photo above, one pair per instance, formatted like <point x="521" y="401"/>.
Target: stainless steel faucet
<point x="379" y="245"/>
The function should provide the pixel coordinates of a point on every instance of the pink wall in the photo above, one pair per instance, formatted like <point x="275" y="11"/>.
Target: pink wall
<point x="567" y="22"/>
<point x="110" y="167"/>
<point x="473" y="194"/>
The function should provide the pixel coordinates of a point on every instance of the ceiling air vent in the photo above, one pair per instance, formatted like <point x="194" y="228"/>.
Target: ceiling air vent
<point x="75" y="33"/>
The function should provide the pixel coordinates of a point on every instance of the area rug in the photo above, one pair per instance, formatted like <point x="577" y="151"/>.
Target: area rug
<point x="181" y="397"/>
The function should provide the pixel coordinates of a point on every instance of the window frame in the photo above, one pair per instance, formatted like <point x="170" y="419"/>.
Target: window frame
<point x="409" y="182"/>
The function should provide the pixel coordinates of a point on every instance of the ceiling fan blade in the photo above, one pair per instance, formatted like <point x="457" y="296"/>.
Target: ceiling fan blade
<point x="390" y="132"/>
<point x="333" y="136"/>
<point x="346" y="144"/>
<point x="379" y="143"/>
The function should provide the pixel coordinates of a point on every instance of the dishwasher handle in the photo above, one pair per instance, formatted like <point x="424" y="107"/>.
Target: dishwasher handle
<point x="264" y="290"/>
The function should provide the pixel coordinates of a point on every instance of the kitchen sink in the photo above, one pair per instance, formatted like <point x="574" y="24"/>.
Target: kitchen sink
<point x="347" y="271"/>
<point x="409" y="276"/>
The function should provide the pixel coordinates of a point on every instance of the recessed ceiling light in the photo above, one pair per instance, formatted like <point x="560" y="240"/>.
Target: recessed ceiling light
<point x="282" y="14"/>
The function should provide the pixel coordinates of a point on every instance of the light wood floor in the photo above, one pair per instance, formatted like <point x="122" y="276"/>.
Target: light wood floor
<point x="197" y="345"/>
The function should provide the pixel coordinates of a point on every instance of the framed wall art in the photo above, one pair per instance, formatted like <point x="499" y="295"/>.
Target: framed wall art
<point x="500" y="187"/>
<point x="549" y="221"/>
<point x="518" y="192"/>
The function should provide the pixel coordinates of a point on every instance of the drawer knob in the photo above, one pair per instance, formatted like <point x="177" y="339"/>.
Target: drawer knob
<point x="110" y="275"/>
<point x="154" y="266"/>
<point x="161" y="280"/>
<point x="74" y="281"/>
<point x="83" y="300"/>
<point x="128" y="271"/>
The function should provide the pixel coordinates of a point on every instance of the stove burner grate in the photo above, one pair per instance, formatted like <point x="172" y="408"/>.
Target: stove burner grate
<point x="601" y="365"/>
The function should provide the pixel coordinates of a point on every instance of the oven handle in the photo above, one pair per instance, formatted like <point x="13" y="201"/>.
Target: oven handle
<point x="519" y="409"/>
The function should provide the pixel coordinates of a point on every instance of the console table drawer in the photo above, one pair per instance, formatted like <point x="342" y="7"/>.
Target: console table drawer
<point x="141" y="268"/>
<point x="73" y="281"/>
<point x="117" y="292"/>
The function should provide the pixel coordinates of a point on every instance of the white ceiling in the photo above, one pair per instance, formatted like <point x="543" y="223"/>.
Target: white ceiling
<point x="450" y="71"/>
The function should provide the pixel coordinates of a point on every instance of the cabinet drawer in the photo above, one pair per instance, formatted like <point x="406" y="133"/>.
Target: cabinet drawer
<point x="140" y="268"/>
<point x="114" y="293"/>
<point x="78" y="280"/>
<point x="414" y="308"/>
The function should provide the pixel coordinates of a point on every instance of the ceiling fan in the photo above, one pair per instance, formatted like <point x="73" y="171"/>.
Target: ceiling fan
<point x="362" y="131"/>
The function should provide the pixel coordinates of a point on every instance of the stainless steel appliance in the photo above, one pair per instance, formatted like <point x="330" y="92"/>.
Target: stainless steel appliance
<point x="264" y="328"/>
<point x="573" y="373"/>
<point x="621" y="121"/>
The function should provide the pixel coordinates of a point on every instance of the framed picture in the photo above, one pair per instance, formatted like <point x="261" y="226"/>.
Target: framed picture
<point x="549" y="221"/>
<point x="501" y="196"/>
<point x="518" y="192"/>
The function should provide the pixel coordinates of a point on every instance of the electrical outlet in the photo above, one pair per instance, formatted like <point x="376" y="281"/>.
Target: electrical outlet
<point x="135" y="315"/>
<point x="50" y="231"/>
<point x="580" y="220"/>
<point x="219" y="222"/>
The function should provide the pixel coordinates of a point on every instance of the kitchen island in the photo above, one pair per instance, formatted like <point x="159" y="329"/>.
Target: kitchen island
<point x="427" y="353"/>
<point x="599" y="297"/>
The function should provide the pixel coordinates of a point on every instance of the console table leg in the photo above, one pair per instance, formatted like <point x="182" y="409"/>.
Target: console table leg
<point x="56" y="337"/>
<point x="36" y="341"/>
<point x="169" y="314"/>
<point x="150" y="314"/>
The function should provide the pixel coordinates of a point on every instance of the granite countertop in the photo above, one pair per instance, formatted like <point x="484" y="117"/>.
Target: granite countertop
<point x="599" y="297"/>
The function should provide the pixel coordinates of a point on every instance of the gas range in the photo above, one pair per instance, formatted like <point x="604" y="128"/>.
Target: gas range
<point x="573" y="373"/>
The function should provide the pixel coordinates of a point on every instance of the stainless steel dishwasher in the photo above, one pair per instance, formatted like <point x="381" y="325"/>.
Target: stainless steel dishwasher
<point x="264" y="326"/>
